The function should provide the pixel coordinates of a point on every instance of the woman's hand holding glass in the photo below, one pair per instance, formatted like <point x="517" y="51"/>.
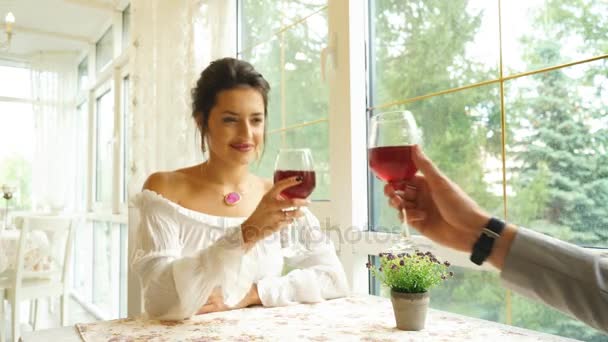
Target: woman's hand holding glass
<point x="295" y="162"/>
<point x="272" y="212"/>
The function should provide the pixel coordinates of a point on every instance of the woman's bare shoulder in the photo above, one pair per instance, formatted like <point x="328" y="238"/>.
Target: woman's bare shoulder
<point x="169" y="184"/>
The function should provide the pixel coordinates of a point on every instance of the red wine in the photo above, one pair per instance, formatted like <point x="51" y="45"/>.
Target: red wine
<point x="392" y="163"/>
<point x="302" y="190"/>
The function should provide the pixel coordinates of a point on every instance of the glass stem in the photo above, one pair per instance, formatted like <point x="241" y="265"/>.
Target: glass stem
<point x="405" y="228"/>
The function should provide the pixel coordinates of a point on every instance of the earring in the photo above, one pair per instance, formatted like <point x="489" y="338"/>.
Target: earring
<point x="258" y="154"/>
<point x="203" y="148"/>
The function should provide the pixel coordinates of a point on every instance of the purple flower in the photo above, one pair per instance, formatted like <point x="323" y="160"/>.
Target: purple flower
<point x="451" y="274"/>
<point x="447" y="264"/>
<point x="390" y="257"/>
<point x="402" y="263"/>
<point x="380" y="269"/>
<point x="393" y="267"/>
<point x="368" y="265"/>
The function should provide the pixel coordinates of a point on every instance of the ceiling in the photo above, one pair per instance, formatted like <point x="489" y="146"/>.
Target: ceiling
<point x="56" y="25"/>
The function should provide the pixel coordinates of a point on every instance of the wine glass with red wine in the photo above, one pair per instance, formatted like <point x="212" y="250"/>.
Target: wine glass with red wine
<point x="391" y="138"/>
<point x="289" y="163"/>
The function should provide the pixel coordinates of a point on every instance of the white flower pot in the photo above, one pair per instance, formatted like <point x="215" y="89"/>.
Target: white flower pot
<point x="410" y="309"/>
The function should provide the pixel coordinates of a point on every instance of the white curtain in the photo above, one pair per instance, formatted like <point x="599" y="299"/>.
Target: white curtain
<point x="173" y="41"/>
<point x="162" y="132"/>
<point x="53" y="77"/>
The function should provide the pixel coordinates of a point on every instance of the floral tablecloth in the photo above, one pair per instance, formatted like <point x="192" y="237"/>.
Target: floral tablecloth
<point x="362" y="318"/>
<point x="37" y="255"/>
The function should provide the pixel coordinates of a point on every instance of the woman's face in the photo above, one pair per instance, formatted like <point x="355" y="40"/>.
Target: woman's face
<point x="236" y="125"/>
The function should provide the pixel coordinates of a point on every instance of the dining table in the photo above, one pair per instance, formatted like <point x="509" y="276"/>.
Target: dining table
<point x="353" y="318"/>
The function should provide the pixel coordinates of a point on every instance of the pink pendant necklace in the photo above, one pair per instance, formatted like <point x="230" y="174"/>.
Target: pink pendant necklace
<point x="232" y="198"/>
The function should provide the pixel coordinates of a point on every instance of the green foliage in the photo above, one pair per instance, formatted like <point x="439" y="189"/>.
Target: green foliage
<point x="559" y="179"/>
<point x="410" y="273"/>
<point x="17" y="172"/>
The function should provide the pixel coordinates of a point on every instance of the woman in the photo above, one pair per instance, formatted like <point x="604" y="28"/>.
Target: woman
<point x="208" y="238"/>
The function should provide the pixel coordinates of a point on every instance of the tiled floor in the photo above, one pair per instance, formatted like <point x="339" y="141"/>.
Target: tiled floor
<point x="46" y="318"/>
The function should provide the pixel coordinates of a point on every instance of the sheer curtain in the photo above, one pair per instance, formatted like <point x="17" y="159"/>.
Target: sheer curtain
<point x="162" y="132"/>
<point x="53" y="81"/>
<point x="172" y="42"/>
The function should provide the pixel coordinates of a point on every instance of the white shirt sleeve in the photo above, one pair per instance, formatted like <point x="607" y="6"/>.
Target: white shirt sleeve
<point x="316" y="274"/>
<point x="175" y="286"/>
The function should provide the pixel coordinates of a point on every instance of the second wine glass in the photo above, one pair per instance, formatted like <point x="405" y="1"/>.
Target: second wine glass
<point x="391" y="138"/>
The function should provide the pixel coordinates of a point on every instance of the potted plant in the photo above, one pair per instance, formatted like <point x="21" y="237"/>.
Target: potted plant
<point x="410" y="277"/>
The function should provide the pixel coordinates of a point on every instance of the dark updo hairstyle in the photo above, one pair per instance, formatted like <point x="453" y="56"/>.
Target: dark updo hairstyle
<point x="223" y="74"/>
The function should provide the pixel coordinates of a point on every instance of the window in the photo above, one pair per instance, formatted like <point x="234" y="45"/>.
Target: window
<point x="17" y="151"/>
<point x="18" y="143"/>
<point x="82" y="113"/>
<point x="83" y="259"/>
<point x="104" y="50"/>
<point x="104" y="142"/>
<point x="83" y="74"/>
<point x="126" y="114"/>
<point x="126" y="27"/>
<point x="108" y="267"/>
<point x="554" y="178"/>
<point x="19" y="85"/>
<point x="284" y="43"/>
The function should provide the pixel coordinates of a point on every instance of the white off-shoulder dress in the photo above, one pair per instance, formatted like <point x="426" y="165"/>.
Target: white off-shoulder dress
<point x="181" y="255"/>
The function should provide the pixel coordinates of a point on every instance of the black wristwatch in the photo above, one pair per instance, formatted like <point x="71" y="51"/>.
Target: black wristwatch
<point x="483" y="247"/>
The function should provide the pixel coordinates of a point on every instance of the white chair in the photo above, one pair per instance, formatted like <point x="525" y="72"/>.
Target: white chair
<point x="21" y="284"/>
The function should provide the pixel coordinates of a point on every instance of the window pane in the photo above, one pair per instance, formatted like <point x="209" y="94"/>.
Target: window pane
<point x="104" y="148"/>
<point x="104" y="50"/>
<point x="298" y="95"/>
<point x="123" y="270"/>
<point x="106" y="267"/>
<point x="422" y="47"/>
<point x="261" y="19"/>
<point x="83" y="261"/>
<point x="17" y="151"/>
<point x="126" y="114"/>
<point x="265" y="58"/>
<point x="306" y="95"/>
<point x="126" y="27"/>
<point x="19" y="85"/>
<point x="543" y="33"/>
<point x="83" y="74"/>
<point x="462" y="135"/>
<point x="82" y="114"/>
<point x="481" y="295"/>
<point x="557" y="152"/>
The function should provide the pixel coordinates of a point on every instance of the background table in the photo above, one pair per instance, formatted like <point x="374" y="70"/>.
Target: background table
<point x="361" y="318"/>
<point x="37" y="251"/>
